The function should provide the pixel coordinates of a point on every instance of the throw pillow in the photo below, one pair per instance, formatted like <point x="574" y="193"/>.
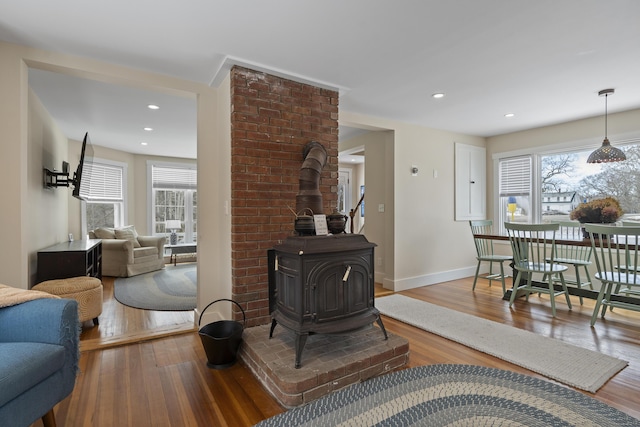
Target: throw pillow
<point x="132" y="228"/>
<point x="127" y="234"/>
<point x="104" y="233"/>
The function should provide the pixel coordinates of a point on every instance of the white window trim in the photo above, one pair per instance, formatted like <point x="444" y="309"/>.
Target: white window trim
<point x="125" y="185"/>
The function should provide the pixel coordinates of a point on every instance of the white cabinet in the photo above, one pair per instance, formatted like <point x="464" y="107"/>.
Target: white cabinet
<point x="470" y="182"/>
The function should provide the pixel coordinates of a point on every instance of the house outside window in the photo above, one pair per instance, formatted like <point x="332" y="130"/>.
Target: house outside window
<point x="174" y="196"/>
<point x="546" y="187"/>
<point x="105" y="202"/>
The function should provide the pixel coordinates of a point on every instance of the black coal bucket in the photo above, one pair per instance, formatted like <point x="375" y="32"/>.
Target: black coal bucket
<point x="221" y="339"/>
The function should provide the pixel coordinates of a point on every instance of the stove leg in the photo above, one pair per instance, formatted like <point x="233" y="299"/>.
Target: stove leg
<point x="301" y="340"/>
<point x="384" y="331"/>
<point x="273" y="326"/>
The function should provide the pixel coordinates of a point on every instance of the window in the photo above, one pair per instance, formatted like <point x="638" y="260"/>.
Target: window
<point x="571" y="178"/>
<point x="515" y="190"/>
<point x="105" y="204"/>
<point x="174" y="196"/>
<point x="546" y="187"/>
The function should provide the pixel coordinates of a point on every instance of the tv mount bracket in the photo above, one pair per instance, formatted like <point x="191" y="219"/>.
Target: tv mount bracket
<point x="54" y="179"/>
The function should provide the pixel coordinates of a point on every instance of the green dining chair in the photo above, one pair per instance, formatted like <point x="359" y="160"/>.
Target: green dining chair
<point x="616" y="251"/>
<point x="484" y="253"/>
<point x="573" y="255"/>
<point x="533" y="247"/>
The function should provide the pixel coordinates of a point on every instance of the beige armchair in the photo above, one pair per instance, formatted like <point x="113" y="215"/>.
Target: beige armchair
<point x="126" y="254"/>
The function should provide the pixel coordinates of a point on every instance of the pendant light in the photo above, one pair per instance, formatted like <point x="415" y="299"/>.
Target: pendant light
<point x="606" y="153"/>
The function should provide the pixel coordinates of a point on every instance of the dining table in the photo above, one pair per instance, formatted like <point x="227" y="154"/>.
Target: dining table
<point x="581" y="292"/>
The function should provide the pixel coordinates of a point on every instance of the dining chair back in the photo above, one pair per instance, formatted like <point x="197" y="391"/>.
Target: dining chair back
<point x="617" y="254"/>
<point x="484" y="253"/>
<point x="533" y="247"/>
<point x="574" y="255"/>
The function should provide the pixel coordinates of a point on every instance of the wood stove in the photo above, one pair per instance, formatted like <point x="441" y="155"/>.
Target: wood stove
<point x="322" y="284"/>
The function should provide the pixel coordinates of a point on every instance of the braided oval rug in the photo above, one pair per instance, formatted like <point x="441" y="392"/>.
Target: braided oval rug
<point x="454" y="395"/>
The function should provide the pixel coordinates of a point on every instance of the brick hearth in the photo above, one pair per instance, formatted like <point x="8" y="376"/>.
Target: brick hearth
<point x="329" y="362"/>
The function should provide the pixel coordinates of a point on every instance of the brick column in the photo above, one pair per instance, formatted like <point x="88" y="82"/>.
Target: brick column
<point x="272" y="119"/>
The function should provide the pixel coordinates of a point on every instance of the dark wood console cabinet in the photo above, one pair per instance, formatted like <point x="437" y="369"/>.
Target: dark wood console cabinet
<point x="322" y="284"/>
<point x="70" y="259"/>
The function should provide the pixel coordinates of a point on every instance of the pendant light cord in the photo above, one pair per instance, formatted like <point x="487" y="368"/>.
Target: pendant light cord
<point x="605" y="114"/>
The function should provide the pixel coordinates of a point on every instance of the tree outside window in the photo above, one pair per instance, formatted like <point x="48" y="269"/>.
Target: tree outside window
<point x="568" y="175"/>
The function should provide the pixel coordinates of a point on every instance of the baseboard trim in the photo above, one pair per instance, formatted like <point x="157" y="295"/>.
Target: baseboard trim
<point x="428" y="279"/>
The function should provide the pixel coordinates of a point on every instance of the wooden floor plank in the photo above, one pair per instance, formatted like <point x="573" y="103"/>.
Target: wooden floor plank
<point x="165" y="382"/>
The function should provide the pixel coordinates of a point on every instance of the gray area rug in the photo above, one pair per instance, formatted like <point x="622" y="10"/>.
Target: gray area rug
<point x="546" y="356"/>
<point x="454" y="395"/>
<point x="170" y="289"/>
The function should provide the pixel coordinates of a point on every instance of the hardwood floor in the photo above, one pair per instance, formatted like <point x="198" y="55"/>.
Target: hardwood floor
<point x="165" y="381"/>
<point x="120" y="324"/>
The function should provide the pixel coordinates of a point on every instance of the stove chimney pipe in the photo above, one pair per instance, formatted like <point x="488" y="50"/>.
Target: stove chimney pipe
<point x="309" y="196"/>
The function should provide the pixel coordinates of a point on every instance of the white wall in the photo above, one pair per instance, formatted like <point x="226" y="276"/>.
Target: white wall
<point x="47" y="147"/>
<point x="422" y="242"/>
<point x="14" y="254"/>
<point x="214" y="198"/>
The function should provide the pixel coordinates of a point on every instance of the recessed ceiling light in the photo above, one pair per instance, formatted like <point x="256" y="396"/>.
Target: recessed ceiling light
<point x="438" y="95"/>
<point x="153" y="107"/>
<point x="509" y="115"/>
<point x="143" y="143"/>
<point x="148" y="129"/>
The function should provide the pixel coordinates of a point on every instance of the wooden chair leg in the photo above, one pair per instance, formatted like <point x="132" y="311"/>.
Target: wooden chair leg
<point x="475" y="279"/>
<point x="49" y="419"/>
<point x="578" y="282"/>
<point x="552" y="296"/>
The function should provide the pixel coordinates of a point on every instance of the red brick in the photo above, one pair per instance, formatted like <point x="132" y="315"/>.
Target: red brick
<point x="272" y="120"/>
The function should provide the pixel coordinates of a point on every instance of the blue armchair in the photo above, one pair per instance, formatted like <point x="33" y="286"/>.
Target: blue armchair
<point x="39" y="353"/>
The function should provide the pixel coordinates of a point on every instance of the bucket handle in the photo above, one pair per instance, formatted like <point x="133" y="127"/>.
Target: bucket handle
<point x="244" y="317"/>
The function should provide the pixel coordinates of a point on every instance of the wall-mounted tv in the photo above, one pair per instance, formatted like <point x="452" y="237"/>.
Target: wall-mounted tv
<point x="82" y="174"/>
<point x="80" y="181"/>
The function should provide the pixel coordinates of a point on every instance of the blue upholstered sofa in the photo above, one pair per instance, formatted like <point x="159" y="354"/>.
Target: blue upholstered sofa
<point x="38" y="359"/>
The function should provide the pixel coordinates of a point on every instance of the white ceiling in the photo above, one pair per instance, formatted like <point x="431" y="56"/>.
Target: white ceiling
<point x="543" y="60"/>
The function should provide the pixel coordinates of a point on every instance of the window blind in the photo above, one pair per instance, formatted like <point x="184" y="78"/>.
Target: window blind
<point x="174" y="178"/>
<point x="515" y="176"/>
<point x="104" y="182"/>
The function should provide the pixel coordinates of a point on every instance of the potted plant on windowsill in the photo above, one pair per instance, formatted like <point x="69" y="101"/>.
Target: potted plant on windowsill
<point x="599" y="211"/>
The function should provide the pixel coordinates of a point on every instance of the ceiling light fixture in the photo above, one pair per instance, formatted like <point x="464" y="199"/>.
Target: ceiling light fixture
<point x="438" y="95"/>
<point x="143" y="143"/>
<point x="148" y="129"/>
<point x="606" y="153"/>
<point x="153" y="107"/>
<point x="509" y="115"/>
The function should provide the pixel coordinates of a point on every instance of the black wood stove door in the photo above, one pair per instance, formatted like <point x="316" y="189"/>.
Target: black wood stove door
<point x="340" y="288"/>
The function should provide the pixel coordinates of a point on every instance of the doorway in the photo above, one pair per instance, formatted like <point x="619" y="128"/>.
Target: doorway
<point x="85" y="98"/>
<point x="351" y="187"/>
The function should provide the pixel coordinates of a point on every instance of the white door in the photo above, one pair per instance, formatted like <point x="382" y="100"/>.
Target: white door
<point x="470" y="182"/>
